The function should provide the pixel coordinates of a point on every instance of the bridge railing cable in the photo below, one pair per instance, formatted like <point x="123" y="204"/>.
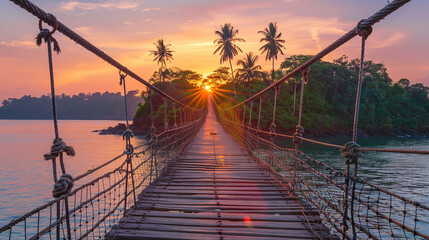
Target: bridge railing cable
<point x="378" y="213"/>
<point x="350" y="207"/>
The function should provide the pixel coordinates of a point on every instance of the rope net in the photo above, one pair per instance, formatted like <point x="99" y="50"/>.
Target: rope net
<point x="377" y="213"/>
<point x="98" y="205"/>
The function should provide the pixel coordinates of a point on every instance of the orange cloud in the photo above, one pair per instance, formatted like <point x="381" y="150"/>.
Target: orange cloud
<point x="17" y="43"/>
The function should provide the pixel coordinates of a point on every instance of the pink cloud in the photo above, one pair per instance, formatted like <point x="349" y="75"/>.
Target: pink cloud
<point x="73" y="5"/>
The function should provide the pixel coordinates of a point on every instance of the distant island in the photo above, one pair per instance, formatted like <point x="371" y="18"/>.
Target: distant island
<point x="91" y="106"/>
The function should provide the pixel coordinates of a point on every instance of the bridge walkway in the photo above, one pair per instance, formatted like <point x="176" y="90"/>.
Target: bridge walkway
<point x="215" y="191"/>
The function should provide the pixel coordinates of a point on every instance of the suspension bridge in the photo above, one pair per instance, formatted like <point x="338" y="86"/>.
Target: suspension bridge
<point x="215" y="174"/>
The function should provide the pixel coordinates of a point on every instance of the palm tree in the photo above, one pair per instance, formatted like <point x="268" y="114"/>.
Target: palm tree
<point x="273" y="43"/>
<point x="162" y="54"/>
<point x="249" y="70"/>
<point x="226" y="47"/>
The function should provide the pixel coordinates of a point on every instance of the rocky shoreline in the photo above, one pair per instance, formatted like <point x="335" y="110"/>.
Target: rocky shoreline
<point x="310" y="132"/>
<point x="121" y="127"/>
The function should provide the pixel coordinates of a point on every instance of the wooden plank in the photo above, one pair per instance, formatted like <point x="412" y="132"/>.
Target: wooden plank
<point x="213" y="222"/>
<point x="192" y="209"/>
<point x="219" y="191"/>
<point x="222" y="216"/>
<point x="225" y="188"/>
<point x="211" y="201"/>
<point x="148" y="234"/>
<point x="218" y="196"/>
<point x="247" y="231"/>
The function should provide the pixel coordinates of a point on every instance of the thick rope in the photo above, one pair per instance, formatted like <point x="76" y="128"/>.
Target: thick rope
<point x="364" y="32"/>
<point x="273" y="123"/>
<point x="65" y="183"/>
<point x="304" y="80"/>
<point x="350" y="154"/>
<point x="122" y="81"/>
<point x="152" y="121"/>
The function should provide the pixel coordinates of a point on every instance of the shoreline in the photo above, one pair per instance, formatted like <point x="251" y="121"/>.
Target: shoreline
<point x="422" y="132"/>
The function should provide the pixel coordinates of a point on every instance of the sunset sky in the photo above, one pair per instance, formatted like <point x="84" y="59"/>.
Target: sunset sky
<point x="126" y="30"/>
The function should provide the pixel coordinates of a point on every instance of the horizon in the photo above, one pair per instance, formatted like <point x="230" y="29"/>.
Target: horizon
<point x="190" y="27"/>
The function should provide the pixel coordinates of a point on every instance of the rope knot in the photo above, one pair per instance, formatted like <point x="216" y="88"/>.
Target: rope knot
<point x="122" y="77"/>
<point x="363" y="31"/>
<point x="304" y="73"/>
<point x="351" y="152"/>
<point x="58" y="147"/>
<point x="297" y="136"/>
<point x="152" y="133"/>
<point x="129" y="149"/>
<point x="63" y="186"/>
<point x="127" y="134"/>
<point x="46" y="35"/>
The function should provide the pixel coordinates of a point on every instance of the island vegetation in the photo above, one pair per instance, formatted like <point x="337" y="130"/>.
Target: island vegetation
<point x="387" y="107"/>
<point x="107" y="106"/>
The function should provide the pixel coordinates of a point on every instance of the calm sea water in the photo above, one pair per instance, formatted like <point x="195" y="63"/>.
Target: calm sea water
<point x="26" y="179"/>
<point x="404" y="174"/>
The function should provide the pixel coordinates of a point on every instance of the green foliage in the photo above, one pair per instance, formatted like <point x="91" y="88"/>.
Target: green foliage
<point x="330" y="95"/>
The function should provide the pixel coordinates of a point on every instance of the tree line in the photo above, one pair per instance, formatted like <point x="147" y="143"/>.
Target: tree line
<point x="81" y="106"/>
<point x="386" y="107"/>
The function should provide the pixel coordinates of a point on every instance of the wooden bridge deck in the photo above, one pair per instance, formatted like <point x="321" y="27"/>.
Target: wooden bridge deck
<point x="215" y="191"/>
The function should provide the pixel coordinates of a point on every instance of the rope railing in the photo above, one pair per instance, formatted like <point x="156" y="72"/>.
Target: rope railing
<point x="378" y="213"/>
<point x="96" y="206"/>
<point x="349" y="206"/>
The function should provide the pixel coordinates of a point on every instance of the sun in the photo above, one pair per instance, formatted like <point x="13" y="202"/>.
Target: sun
<point x="207" y="87"/>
